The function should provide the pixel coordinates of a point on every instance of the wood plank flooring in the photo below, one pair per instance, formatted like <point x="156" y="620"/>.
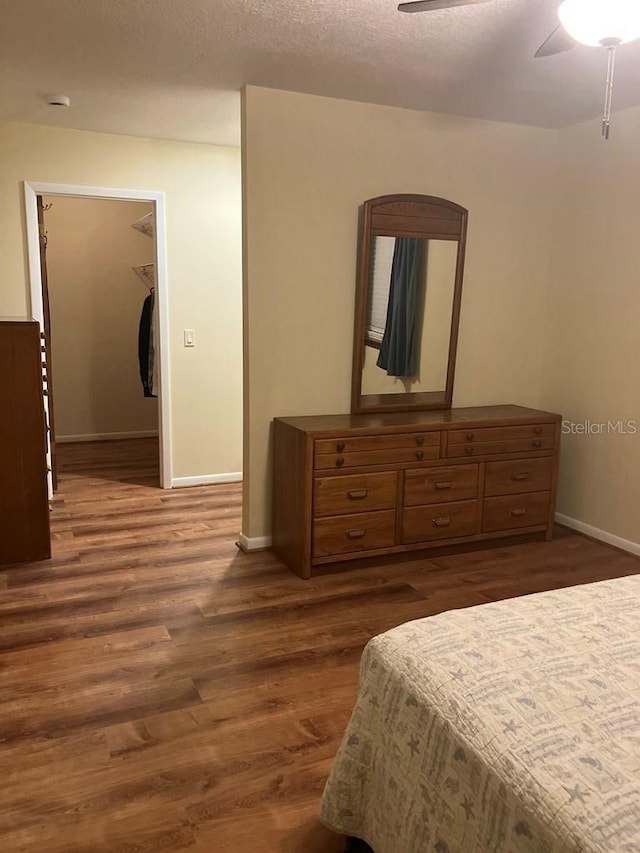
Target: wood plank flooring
<point x="161" y="691"/>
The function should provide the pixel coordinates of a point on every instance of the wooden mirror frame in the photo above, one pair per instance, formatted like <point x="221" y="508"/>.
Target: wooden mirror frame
<point x="425" y="217"/>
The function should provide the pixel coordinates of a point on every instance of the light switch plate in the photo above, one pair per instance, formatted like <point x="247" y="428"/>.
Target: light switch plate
<point x="189" y="338"/>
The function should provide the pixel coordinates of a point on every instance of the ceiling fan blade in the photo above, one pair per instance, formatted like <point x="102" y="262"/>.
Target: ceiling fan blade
<point x="432" y="5"/>
<point x="558" y="42"/>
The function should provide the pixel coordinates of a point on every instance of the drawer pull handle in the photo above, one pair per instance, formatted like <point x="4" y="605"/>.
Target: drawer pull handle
<point x="536" y="442"/>
<point x="518" y="513"/>
<point x="469" y="451"/>
<point x="420" y="440"/>
<point x="358" y="494"/>
<point x="520" y="475"/>
<point x="470" y="436"/>
<point x="441" y="522"/>
<point x="340" y="446"/>
<point x="356" y="534"/>
<point x="340" y="461"/>
<point x="444" y="485"/>
<point x="419" y="455"/>
<point x="538" y="430"/>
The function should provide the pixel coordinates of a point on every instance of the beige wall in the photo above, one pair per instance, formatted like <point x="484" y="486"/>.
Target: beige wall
<point x="309" y="162"/>
<point x="96" y="299"/>
<point x="593" y="365"/>
<point x="203" y="198"/>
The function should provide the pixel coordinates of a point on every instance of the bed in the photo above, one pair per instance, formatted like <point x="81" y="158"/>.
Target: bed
<point x="511" y="727"/>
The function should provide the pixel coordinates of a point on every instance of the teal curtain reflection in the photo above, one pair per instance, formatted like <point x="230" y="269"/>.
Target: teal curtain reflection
<point x="397" y="354"/>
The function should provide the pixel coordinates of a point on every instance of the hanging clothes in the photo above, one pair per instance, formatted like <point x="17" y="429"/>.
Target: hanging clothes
<point x="146" y="350"/>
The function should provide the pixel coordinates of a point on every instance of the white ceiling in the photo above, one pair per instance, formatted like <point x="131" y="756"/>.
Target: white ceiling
<point x="173" y="68"/>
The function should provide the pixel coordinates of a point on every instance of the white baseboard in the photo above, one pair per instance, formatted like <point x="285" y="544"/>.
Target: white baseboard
<point x="596" y="533"/>
<point x="105" y="436"/>
<point x="254" y="543"/>
<point x="206" y="480"/>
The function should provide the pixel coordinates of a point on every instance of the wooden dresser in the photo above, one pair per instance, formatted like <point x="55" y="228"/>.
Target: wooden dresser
<point x="353" y="486"/>
<point x="24" y="505"/>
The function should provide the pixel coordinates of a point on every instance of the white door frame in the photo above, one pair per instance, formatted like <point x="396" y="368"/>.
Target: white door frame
<point x="32" y="189"/>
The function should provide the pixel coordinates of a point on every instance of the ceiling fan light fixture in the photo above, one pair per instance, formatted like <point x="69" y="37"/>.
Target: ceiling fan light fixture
<point x="601" y="22"/>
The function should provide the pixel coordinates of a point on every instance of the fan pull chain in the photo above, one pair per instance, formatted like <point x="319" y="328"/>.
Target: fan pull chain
<point x="608" y="98"/>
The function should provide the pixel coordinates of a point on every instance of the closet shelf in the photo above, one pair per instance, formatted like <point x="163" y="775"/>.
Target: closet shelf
<point x="147" y="272"/>
<point x="146" y="225"/>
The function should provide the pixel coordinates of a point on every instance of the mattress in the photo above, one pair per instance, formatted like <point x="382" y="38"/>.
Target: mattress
<point x="509" y="727"/>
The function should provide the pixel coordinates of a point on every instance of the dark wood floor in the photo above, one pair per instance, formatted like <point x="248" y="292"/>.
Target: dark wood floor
<point x="161" y="691"/>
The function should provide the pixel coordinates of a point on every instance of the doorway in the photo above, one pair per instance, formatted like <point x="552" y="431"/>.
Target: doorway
<point x="100" y="394"/>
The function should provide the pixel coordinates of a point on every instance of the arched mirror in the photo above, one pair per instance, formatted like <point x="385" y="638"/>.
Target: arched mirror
<point x="408" y="294"/>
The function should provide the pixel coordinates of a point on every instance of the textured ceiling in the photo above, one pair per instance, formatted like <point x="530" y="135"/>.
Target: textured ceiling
<point x="173" y="68"/>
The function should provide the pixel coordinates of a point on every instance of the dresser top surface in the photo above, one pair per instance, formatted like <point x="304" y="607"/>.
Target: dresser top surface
<point x="447" y="419"/>
<point x="18" y="320"/>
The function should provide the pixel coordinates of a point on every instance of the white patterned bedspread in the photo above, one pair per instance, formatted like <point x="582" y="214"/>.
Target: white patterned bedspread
<point x="510" y="727"/>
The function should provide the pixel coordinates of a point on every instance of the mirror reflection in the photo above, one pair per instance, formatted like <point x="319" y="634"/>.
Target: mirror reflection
<point x="408" y="315"/>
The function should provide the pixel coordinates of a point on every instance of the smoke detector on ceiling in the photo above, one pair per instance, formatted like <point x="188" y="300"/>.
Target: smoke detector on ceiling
<point x="59" y="101"/>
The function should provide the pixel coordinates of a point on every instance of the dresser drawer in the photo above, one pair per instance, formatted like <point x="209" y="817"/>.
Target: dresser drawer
<point x="362" y="443"/>
<point x="393" y="456"/>
<point x="439" y="521"/>
<point x="504" y="446"/>
<point x="357" y="493"/>
<point x="507" y="433"/>
<point x="439" y="485"/>
<point x="345" y="534"/>
<point x="511" y="511"/>
<point x="523" y="475"/>
<point x="488" y="441"/>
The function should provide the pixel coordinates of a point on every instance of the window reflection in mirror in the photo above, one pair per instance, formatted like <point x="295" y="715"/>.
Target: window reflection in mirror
<point x="422" y="320"/>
